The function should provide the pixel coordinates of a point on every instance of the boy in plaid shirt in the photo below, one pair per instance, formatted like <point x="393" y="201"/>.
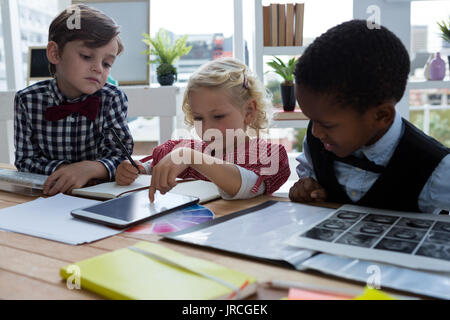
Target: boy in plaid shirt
<point x="61" y="125"/>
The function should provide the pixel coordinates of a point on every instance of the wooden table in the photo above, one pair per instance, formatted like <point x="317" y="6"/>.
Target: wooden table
<point x="29" y="266"/>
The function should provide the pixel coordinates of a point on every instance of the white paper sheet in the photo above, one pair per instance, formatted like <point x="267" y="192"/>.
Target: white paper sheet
<point x="412" y="240"/>
<point x="50" y="218"/>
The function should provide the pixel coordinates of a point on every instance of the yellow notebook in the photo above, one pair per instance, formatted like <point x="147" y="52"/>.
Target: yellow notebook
<point x="130" y="273"/>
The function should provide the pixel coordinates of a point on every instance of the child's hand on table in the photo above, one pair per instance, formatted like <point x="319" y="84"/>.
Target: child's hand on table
<point x="72" y="176"/>
<point x="165" y="172"/>
<point x="307" y="190"/>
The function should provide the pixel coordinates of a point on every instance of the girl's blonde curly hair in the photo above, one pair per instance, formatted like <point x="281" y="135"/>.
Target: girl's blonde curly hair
<point x="238" y="82"/>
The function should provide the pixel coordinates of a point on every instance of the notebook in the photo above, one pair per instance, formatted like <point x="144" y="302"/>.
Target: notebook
<point x="130" y="273"/>
<point x="204" y="190"/>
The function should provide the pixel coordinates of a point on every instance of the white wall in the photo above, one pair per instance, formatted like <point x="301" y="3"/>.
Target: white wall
<point x="396" y="16"/>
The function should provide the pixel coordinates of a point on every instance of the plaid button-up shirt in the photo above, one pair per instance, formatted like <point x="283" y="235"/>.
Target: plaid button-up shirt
<point x="41" y="146"/>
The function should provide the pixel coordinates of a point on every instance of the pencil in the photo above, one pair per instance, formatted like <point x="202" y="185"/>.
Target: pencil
<point x="116" y="137"/>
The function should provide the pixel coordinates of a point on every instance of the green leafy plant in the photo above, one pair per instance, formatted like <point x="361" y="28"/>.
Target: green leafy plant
<point x="286" y="71"/>
<point x="445" y="30"/>
<point x="165" y="50"/>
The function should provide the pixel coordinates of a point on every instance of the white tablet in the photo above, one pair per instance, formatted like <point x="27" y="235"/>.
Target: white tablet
<point x="134" y="208"/>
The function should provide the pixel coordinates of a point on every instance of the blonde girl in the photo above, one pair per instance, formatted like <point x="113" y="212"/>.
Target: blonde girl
<point x="227" y="105"/>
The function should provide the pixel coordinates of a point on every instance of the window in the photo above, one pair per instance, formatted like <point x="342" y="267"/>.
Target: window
<point x="35" y="17"/>
<point x="208" y="24"/>
<point x="429" y="107"/>
<point x="3" y="85"/>
<point x="331" y="13"/>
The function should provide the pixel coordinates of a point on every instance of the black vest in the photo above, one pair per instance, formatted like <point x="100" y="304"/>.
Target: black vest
<point x="399" y="186"/>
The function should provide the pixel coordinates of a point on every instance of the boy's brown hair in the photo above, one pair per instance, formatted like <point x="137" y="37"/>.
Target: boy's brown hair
<point x="95" y="28"/>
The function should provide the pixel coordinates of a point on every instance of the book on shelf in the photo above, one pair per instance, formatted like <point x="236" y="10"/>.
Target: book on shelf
<point x="289" y="24"/>
<point x="289" y="115"/>
<point x="281" y="25"/>
<point x="148" y="271"/>
<point x="204" y="190"/>
<point x="299" y="16"/>
<point x="266" y="26"/>
<point x="274" y="24"/>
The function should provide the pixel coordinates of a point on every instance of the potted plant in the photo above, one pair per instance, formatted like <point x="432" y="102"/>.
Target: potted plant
<point x="445" y="33"/>
<point x="286" y="71"/>
<point x="166" y="53"/>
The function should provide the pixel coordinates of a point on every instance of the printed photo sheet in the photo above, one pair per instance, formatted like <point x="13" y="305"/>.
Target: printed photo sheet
<point x="412" y="240"/>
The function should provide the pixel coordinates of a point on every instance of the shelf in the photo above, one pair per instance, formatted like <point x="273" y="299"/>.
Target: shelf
<point x="283" y="51"/>
<point x="429" y="84"/>
<point x="148" y="101"/>
<point x="278" y="124"/>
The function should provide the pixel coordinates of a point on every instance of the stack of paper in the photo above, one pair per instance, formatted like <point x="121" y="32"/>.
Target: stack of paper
<point x="50" y="218"/>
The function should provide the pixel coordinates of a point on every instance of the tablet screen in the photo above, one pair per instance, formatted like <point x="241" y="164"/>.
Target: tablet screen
<point x="137" y="206"/>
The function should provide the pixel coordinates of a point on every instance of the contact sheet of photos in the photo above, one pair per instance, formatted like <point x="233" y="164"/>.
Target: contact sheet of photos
<point x="419" y="241"/>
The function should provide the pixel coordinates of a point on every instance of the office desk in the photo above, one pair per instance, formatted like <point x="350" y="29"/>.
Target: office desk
<point x="29" y="266"/>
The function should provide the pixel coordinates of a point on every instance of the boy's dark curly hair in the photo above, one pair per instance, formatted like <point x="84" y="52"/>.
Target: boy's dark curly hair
<point x="360" y="67"/>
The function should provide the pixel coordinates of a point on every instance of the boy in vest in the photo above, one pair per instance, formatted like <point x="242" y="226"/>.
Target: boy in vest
<point x="357" y="148"/>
